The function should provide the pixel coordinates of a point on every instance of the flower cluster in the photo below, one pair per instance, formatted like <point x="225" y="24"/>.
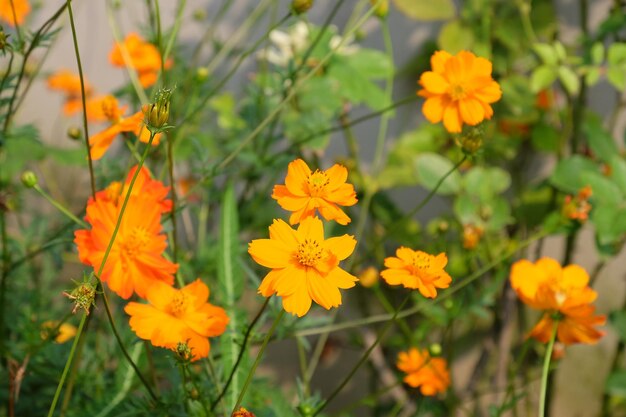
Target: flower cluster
<point x="136" y="264"/>
<point x="428" y="374"/>
<point x="305" y="265"/>
<point x="565" y="297"/>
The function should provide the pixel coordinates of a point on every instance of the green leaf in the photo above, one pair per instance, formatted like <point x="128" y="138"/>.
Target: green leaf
<point x="616" y="384"/>
<point x="616" y="54"/>
<point x="546" y="53"/>
<point x="542" y="78"/>
<point x="431" y="168"/>
<point x="231" y="283"/>
<point x="618" y="322"/>
<point x="559" y="49"/>
<point x="455" y="37"/>
<point x="356" y="88"/>
<point x="604" y="190"/>
<point x="486" y="182"/>
<point x="617" y="76"/>
<point x="498" y="214"/>
<point x="370" y="63"/>
<point x="600" y="141"/>
<point x="567" y="174"/>
<point x="467" y="210"/>
<point x="618" y="172"/>
<point x="545" y="137"/>
<point x="610" y="223"/>
<point x="593" y="76"/>
<point x="569" y="79"/>
<point x="597" y="53"/>
<point x="426" y="9"/>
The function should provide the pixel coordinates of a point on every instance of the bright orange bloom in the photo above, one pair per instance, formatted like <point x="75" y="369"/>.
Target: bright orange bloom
<point x="101" y="141"/>
<point x="145" y="187"/>
<point x="305" y="266"/>
<point x="429" y="374"/>
<point x="22" y="8"/>
<point x="176" y="316"/>
<point x="306" y="191"/>
<point x="564" y="294"/>
<point x="242" y="412"/>
<point x="458" y="90"/>
<point x="417" y="270"/>
<point x="144" y="58"/>
<point x="65" y="331"/>
<point x="136" y="259"/>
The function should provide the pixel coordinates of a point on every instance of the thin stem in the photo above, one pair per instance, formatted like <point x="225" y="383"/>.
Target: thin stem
<point x="384" y="120"/>
<point x="546" y="371"/>
<point x="258" y="359"/>
<point x="83" y="98"/>
<point x="68" y="364"/>
<point x="6" y="262"/>
<point x="241" y="353"/>
<point x="172" y="38"/>
<point x="159" y="39"/>
<point x="59" y="206"/>
<point x="364" y="358"/>
<point x="170" y="171"/>
<point x="17" y="26"/>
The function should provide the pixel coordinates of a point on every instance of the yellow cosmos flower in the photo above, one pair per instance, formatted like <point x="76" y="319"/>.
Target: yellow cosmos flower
<point x="305" y="266"/>
<point x="563" y="293"/>
<point x="64" y="333"/>
<point x="417" y="270"/>
<point x="306" y="191"/>
<point x="458" y="90"/>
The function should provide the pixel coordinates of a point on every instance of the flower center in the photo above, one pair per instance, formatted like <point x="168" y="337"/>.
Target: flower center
<point x="134" y="242"/>
<point x="309" y="252"/>
<point x="317" y="182"/>
<point x="419" y="264"/>
<point x="457" y="92"/>
<point x="179" y="304"/>
<point x="110" y="109"/>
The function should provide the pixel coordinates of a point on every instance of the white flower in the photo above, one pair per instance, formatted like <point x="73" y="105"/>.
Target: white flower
<point x="286" y="44"/>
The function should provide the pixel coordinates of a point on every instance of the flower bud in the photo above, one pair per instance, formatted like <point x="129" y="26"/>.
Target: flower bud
<point x="183" y="352"/>
<point x="74" y="133"/>
<point x="157" y="114"/>
<point x="202" y="74"/>
<point x="301" y="6"/>
<point x="369" y="277"/>
<point x="29" y="179"/>
<point x="471" y="141"/>
<point x="4" y="40"/>
<point x="83" y="296"/>
<point x="382" y="9"/>
<point x="435" y="349"/>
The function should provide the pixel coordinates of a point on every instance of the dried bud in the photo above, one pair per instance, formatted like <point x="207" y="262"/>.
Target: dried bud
<point x="242" y="412"/>
<point x="29" y="179"/>
<point x="369" y="277"/>
<point x="157" y="114"/>
<point x="301" y="6"/>
<point x="74" y="133"/>
<point x="381" y="7"/>
<point x="83" y="296"/>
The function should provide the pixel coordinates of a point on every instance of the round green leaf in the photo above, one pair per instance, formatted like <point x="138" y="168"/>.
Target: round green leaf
<point x="431" y="168"/>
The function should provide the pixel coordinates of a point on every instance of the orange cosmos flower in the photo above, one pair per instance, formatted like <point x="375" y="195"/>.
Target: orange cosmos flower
<point x="51" y="330"/>
<point x="101" y="141"/>
<point x="417" y="270"/>
<point x="68" y="83"/>
<point x="458" y="90"/>
<point x="144" y="58"/>
<point x="306" y="191"/>
<point x="145" y="187"/>
<point x="305" y="266"/>
<point x="429" y="374"/>
<point x="176" y="316"/>
<point x="136" y="259"/>
<point x="564" y="295"/>
<point x="22" y="8"/>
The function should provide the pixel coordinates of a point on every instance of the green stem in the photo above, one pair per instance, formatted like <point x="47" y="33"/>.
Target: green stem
<point x="59" y="206"/>
<point x="83" y="98"/>
<point x="258" y="359"/>
<point x="364" y="358"/>
<point x="17" y="26"/>
<point x="384" y="120"/>
<point x="6" y="261"/>
<point x="172" y="38"/>
<point x="68" y="364"/>
<point x="159" y="39"/>
<point x="241" y="353"/>
<point x="170" y="171"/>
<point x="546" y="371"/>
<point x="418" y="308"/>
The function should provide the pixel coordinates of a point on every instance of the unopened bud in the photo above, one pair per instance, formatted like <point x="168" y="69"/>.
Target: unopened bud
<point x="4" y="40"/>
<point x="157" y="114"/>
<point x="183" y="352"/>
<point x="29" y="179"/>
<point x="202" y="74"/>
<point x="83" y="296"/>
<point x="381" y="7"/>
<point x="471" y="140"/>
<point x="74" y="133"/>
<point x="301" y="6"/>
<point x="435" y="349"/>
<point x="369" y="277"/>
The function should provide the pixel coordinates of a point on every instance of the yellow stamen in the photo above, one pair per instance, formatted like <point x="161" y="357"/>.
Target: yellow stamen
<point x="134" y="242"/>
<point x="309" y="252"/>
<point x="180" y="303"/>
<point x="317" y="182"/>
